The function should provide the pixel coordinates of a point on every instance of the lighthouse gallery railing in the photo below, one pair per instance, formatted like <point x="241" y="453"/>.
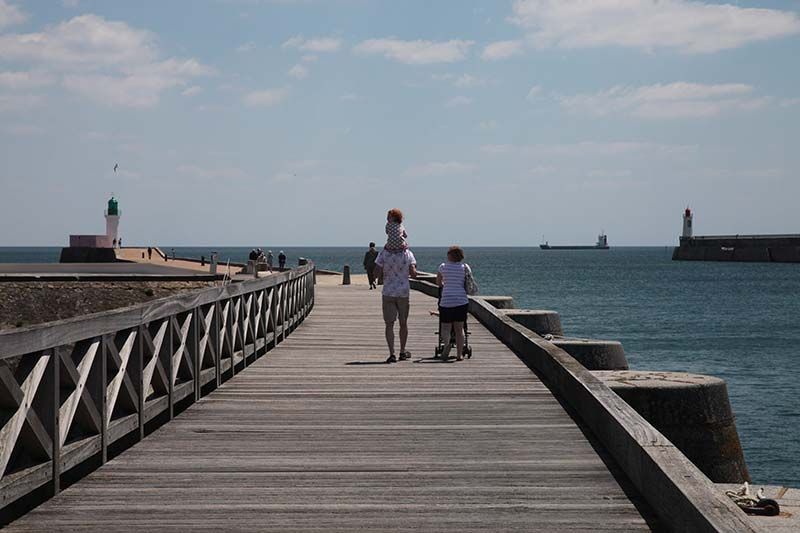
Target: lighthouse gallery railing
<point x="72" y="389"/>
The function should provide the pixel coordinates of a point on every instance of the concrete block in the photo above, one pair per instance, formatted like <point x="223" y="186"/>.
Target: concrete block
<point x="595" y="354"/>
<point x="692" y="411"/>
<point x="539" y="321"/>
<point x="498" y="302"/>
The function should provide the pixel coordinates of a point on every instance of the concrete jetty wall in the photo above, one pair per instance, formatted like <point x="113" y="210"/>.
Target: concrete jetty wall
<point x="745" y="248"/>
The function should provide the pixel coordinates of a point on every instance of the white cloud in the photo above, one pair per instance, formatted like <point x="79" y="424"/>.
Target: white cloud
<point x="416" y="52"/>
<point x="246" y="47"/>
<point x="790" y="102"/>
<point x="665" y="101"/>
<point x="192" y="91"/>
<point x="457" y="101"/>
<point x="502" y="50"/>
<point x="309" y="58"/>
<point x="25" y="79"/>
<point x="107" y="61"/>
<point x="439" y="168"/>
<point x="591" y="149"/>
<point x="464" y="81"/>
<point x="488" y="125"/>
<point x="71" y="3"/>
<point x="534" y="93"/>
<point x="10" y="15"/>
<point x="316" y="45"/>
<point x="298" y="72"/>
<point x="266" y="98"/>
<point x="349" y="97"/>
<point x="687" y="26"/>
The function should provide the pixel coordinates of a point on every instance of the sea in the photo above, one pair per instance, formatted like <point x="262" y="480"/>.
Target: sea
<point x="736" y="321"/>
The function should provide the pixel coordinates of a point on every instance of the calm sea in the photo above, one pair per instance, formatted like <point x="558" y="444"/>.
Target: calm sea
<point x="737" y="321"/>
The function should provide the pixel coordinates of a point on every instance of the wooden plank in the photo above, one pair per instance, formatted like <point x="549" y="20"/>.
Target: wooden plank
<point x="321" y="435"/>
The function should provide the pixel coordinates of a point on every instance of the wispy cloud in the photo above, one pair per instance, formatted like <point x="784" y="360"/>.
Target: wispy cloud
<point x="246" y="47"/>
<point x="438" y="168"/>
<point x="457" y="101"/>
<point x="10" y="15"/>
<point x="192" y="91"/>
<point x="25" y="79"/>
<point x="665" y="101"/>
<point x="590" y="148"/>
<point x="315" y="45"/>
<point x="266" y="98"/>
<point x="298" y="72"/>
<point x="502" y="50"/>
<point x="417" y="52"/>
<point x="684" y="25"/>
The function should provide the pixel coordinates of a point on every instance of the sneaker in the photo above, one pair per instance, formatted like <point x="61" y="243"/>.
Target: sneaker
<point x="391" y="359"/>
<point x="405" y="356"/>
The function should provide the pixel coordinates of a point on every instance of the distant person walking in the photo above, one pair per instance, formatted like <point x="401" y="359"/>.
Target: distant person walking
<point x="396" y="267"/>
<point x="281" y="261"/>
<point x="149" y="253"/>
<point x="453" y="303"/>
<point x="369" y="265"/>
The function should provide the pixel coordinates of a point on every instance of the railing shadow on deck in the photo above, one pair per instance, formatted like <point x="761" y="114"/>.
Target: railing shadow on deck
<point x="75" y="391"/>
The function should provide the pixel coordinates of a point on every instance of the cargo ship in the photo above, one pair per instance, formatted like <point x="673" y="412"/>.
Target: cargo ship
<point x="601" y="244"/>
<point x="745" y="248"/>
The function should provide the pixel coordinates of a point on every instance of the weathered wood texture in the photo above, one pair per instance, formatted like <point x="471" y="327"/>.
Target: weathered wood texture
<point x="320" y="435"/>
<point x="71" y="389"/>
<point x="682" y="495"/>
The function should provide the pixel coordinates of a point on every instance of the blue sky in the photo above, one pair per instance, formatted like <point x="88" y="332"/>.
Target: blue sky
<point x="258" y="122"/>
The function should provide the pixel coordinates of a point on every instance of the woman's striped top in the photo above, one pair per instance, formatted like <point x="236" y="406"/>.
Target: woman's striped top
<point x="453" y="292"/>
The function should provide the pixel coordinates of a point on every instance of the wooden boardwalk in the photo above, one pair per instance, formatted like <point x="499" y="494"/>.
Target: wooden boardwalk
<point x="319" y="435"/>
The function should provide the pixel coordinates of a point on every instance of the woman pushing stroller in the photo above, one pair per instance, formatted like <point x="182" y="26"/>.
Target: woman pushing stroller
<point x="455" y="279"/>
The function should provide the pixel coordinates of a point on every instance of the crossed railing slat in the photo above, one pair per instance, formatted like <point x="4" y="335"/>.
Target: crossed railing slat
<point x="70" y="389"/>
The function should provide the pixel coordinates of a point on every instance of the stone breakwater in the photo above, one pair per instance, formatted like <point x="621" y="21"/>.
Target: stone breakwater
<point x="744" y="248"/>
<point x="26" y="303"/>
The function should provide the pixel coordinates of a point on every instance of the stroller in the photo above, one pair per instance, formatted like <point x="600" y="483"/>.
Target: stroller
<point x="440" y="346"/>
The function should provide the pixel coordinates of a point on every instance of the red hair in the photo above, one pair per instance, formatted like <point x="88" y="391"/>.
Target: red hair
<point x="395" y="215"/>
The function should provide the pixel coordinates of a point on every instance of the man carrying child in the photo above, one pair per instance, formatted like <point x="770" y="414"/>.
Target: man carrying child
<point x="396" y="263"/>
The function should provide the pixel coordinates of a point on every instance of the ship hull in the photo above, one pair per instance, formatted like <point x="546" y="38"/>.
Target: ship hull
<point x="740" y="248"/>
<point x="549" y="247"/>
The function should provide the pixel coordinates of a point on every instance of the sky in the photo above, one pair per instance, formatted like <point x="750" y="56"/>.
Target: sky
<point x="301" y="122"/>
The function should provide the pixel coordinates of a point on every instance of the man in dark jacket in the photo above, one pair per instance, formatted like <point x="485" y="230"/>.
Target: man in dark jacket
<point x="369" y="264"/>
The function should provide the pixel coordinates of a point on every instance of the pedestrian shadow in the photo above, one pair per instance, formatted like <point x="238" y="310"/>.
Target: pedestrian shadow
<point x="365" y="363"/>
<point x="428" y="360"/>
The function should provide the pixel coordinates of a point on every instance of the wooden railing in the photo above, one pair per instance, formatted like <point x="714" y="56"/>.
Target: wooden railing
<point x="70" y="390"/>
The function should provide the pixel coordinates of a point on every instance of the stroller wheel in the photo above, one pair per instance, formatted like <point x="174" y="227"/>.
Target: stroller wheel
<point x="468" y="352"/>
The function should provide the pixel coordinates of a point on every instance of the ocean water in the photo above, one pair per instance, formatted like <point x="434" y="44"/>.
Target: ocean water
<point x="737" y="321"/>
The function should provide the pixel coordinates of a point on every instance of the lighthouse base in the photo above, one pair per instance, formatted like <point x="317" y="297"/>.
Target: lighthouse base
<point x="82" y="254"/>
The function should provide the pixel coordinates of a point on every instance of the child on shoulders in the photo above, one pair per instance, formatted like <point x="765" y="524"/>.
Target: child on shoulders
<point x="396" y="236"/>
